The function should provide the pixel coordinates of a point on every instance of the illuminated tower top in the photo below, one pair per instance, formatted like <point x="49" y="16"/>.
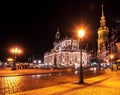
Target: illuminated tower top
<point x="102" y="21"/>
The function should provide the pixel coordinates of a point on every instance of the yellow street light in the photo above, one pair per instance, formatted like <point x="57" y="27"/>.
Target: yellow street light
<point x="107" y="61"/>
<point x="15" y="51"/>
<point x="111" y="56"/>
<point x="81" y="35"/>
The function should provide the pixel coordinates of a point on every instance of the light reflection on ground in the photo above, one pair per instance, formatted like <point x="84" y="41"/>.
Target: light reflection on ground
<point x="29" y="82"/>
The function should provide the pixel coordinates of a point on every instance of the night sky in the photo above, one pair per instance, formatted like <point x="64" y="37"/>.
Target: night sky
<point x="32" y="25"/>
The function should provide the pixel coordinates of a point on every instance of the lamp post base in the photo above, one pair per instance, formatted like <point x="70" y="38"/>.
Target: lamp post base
<point x="13" y="69"/>
<point x="81" y="82"/>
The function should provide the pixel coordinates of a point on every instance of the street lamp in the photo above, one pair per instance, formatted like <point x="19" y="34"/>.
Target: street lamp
<point x="15" y="51"/>
<point x="81" y="35"/>
<point x="111" y="58"/>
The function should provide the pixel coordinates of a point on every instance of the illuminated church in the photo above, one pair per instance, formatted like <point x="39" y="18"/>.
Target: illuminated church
<point x="103" y="40"/>
<point x="66" y="53"/>
<point x="108" y="42"/>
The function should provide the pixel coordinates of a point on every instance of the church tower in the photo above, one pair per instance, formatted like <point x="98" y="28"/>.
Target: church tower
<point x="102" y="37"/>
<point x="57" y="37"/>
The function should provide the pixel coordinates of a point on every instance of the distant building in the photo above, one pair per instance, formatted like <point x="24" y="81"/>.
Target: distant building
<point x="66" y="53"/>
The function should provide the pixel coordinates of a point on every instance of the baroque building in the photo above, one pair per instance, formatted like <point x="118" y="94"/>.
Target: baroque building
<point x="66" y="53"/>
<point x="103" y="40"/>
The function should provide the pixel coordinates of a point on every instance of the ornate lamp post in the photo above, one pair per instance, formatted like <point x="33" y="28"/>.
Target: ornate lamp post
<point x="15" y="51"/>
<point x="81" y="35"/>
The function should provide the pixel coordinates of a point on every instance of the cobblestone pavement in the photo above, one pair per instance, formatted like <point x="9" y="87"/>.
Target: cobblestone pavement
<point x="14" y="84"/>
<point x="106" y="84"/>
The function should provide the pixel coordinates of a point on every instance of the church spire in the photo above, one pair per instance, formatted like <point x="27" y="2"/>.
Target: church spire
<point x="102" y="34"/>
<point x="102" y="21"/>
<point x="58" y="29"/>
<point x="102" y="11"/>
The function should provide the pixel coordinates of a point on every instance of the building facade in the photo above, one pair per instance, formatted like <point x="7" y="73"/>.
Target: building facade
<point x="115" y="43"/>
<point x="66" y="53"/>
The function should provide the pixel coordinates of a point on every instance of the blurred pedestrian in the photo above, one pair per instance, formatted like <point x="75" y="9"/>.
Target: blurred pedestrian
<point x="114" y="67"/>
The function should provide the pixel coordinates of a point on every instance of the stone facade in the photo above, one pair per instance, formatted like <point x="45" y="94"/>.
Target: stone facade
<point x="66" y="53"/>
